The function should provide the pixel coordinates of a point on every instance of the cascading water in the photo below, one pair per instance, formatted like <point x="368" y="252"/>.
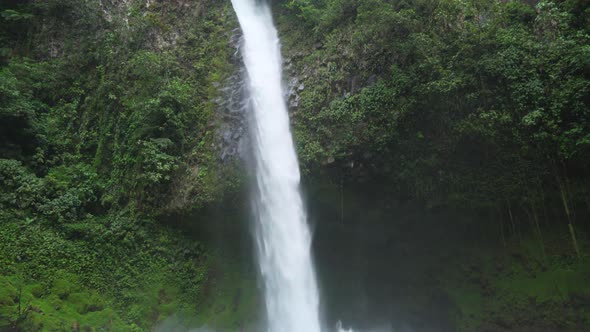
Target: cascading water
<point x="283" y="236"/>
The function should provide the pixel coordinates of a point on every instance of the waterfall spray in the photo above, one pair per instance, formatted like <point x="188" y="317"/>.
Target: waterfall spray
<point x="282" y="234"/>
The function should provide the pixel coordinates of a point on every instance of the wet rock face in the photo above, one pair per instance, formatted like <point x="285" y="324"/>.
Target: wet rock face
<point x="293" y="89"/>
<point x="173" y="18"/>
<point x="234" y="138"/>
<point x="233" y="132"/>
<point x="295" y="84"/>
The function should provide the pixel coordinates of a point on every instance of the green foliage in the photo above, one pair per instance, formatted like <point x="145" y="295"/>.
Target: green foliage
<point x="519" y="290"/>
<point x="354" y="122"/>
<point x="132" y="107"/>
<point x="69" y="306"/>
<point x="61" y="195"/>
<point x="107" y="120"/>
<point x="306" y="9"/>
<point x="67" y="190"/>
<point x="479" y="107"/>
<point x="130" y="273"/>
<point x="20" y="188"/>
<point x="464" y="104"/>
<point x="13" y="15"/>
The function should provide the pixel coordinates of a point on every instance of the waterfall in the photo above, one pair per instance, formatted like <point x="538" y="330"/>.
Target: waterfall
<point x="282" y="234"/>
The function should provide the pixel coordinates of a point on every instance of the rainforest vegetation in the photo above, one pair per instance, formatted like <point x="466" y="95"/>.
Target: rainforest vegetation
<point x="459" y="128"/>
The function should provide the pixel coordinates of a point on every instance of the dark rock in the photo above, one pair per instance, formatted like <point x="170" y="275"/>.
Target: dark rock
<point x="372" y="80"/>
<point x="233" y="108"/>
<point x="328" y="161"/>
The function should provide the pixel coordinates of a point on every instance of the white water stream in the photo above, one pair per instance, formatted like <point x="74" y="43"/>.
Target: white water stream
<point x="282" y="233"/>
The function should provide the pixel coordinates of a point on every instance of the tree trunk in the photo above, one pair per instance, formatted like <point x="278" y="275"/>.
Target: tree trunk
<point x="566" y="207"/>
<point x="513" y="224"/>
